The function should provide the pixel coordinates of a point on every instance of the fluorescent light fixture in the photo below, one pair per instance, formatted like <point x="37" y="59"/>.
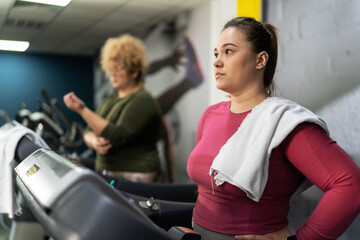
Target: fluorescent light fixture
<point x="61" y="3"/>
<point x="19" y="46"/>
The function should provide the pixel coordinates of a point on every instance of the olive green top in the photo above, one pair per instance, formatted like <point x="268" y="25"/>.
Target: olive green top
<point x="133" y="130"/>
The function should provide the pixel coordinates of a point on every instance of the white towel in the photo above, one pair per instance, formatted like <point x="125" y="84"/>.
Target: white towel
<point x="244" y="160"/>
<point x="10" y="135"/>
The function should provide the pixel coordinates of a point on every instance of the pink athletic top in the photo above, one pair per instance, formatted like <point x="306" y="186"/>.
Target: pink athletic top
<point x="307" y="151"/>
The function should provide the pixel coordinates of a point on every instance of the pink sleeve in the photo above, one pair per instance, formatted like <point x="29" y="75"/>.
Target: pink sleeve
<point x="332" y="170"/>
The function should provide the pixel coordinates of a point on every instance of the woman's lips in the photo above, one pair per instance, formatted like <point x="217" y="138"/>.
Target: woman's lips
<point x="218" y="75"/>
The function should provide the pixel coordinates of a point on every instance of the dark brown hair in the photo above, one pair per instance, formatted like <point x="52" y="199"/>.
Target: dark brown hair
<point x="263" y="37"/>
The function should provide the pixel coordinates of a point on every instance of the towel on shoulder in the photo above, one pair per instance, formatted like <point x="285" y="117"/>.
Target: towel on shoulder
<point x="243" y="160"/>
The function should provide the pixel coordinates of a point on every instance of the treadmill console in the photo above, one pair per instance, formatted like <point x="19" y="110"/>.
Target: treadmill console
<point x="47" y="175"/>
<point x="72" y="202"/>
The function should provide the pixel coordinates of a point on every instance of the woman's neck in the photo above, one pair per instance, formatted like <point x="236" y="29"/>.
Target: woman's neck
<point x="245" y="103"/>
<point x="129" y="90"/>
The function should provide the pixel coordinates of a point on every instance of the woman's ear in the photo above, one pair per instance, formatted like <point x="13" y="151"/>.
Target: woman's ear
<point x="135" y="74"/>
<point x="261" y="60"/>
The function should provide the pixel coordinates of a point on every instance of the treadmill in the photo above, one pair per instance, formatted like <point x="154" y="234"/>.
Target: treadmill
<point x="75" y="203"/>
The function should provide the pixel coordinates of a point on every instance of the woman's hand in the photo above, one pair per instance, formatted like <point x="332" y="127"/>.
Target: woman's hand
<point x="99" y="144"/>
<point x="73" y="102"/>
<point x="279" y="235"/>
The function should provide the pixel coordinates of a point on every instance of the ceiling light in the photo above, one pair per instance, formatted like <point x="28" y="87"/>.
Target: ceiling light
<point x="61" y="3"/>
<point x="19" y="46"/>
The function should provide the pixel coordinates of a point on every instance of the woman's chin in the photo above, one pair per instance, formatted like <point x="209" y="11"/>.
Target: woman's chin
<point x="220" y="87"/>
<point x="115" y="85"/>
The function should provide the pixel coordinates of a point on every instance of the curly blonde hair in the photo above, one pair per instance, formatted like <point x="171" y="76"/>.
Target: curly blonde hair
<point x="126" y="51"/>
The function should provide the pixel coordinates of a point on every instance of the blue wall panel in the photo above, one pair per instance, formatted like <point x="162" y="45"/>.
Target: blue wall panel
<point x="23" y="75"/>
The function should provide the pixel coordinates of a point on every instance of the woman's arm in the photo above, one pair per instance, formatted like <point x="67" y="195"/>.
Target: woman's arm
<point x="326" y="165"/>
<point x="173" y="60"/>
<point x="331" y="169"/>
<point x="95" y="122"/>
<point x="139" y="116"/>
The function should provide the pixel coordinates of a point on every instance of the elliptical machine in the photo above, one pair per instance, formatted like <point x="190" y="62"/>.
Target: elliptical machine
<point x="72" y="137"/>
<point x="52" y="124"/>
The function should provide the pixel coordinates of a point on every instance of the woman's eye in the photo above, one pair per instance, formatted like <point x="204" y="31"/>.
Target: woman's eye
<point x="216" y="55"/>
<point x="227" y="51"/>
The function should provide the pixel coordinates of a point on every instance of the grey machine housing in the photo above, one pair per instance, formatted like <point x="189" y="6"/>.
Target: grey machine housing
<point x="75" y="203"/>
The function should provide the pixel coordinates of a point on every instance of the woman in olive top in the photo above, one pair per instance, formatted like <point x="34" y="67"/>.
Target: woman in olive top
<point x="126" y="126"/>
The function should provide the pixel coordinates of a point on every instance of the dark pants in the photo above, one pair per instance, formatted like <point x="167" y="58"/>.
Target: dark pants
<point x="210" y="235"/>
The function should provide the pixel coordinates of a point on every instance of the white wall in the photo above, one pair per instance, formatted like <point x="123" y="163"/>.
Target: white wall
<point x="343" y="117"/>
<point x="221" y="12"/>
<point x="319" y="51"/>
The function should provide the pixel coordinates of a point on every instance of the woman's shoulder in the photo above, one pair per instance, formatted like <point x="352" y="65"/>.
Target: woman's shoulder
<point x="143" y="92"/>
<point x="219" y="107"/>
<point x="143" y="95"/>
<point x="109" y="99"/>
<point x="144" y="101"/>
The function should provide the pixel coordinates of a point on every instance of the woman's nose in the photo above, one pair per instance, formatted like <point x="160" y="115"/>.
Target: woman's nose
<point x="217" y="62"/>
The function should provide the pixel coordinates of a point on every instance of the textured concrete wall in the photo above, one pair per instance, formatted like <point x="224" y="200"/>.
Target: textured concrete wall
<point x="319" y="51"/>
<point x="319" y="56"/>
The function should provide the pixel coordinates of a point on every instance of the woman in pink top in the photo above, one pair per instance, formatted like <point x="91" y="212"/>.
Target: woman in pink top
<point x="237" y="202"/>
